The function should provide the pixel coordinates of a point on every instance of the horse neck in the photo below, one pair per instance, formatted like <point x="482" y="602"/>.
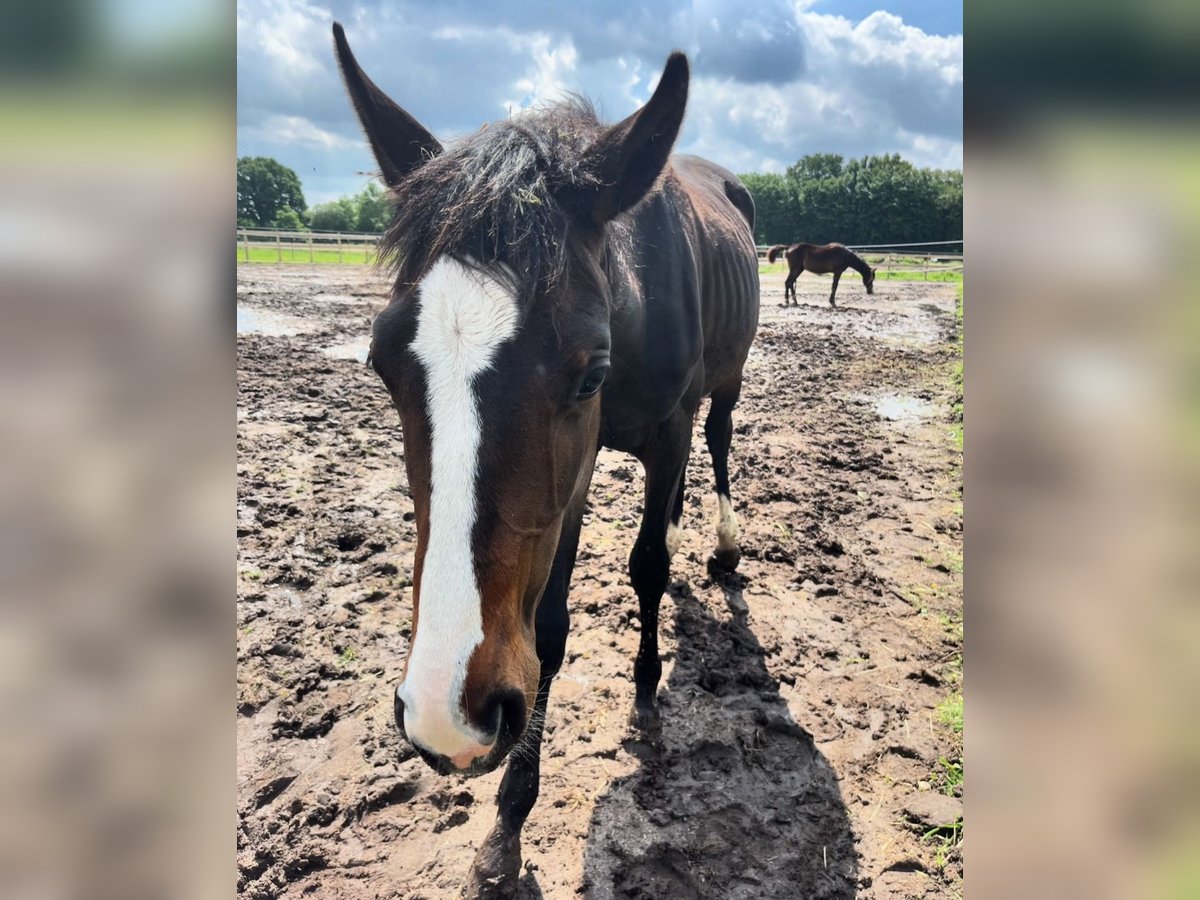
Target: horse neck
<point x="857" y="263"/>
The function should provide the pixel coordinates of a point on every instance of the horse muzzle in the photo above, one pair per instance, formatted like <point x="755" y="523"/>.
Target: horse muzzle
<point x="504" y="713"/>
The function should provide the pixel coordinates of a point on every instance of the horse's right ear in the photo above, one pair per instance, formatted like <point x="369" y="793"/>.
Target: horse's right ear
<point x="399" y="141"/>
<point x="625" y="161"/>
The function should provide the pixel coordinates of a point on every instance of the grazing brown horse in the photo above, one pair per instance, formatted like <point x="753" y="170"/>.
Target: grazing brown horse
<point x="820" y="260"/>
<point x="560" y="286"/>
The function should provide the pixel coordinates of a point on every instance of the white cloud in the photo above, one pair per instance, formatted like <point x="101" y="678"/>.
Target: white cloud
<point x="771" y="82"/>
<point x="284" y="131"/>
<point x="288" y="34"/>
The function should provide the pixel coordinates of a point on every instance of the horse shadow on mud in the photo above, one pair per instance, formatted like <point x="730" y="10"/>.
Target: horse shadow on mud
<point x="734" y="800"/>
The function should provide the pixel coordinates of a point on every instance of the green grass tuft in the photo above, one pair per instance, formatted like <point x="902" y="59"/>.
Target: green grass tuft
<point x="950" y="712"/>
<point x="948" y="776"/>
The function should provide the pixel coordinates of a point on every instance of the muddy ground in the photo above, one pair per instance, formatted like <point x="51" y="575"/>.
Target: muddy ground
<point x="802" y="752"/>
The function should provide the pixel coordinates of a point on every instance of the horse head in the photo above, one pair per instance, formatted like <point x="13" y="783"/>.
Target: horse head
<point x="495" y="348"/>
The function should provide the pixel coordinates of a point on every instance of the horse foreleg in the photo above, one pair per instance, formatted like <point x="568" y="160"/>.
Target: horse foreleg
<point x="836" y="277"/>
<point x="789" y="287"/>
<point x="649" y="562"/>
<point x="496" y="870"/>
<point x="718" y="433"/>
<point x="497" y="867"/>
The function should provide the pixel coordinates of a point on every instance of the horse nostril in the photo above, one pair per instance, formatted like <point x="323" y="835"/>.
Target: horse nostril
<point x="503" y="714"/>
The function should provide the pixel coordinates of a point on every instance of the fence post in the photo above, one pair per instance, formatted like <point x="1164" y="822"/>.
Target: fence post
<point x="310" y="247"/>
<point x="246" y="244"/>
<point x="339" y="240"/>
<point x="925" y="276"/>
<point x="278" y="248"/>
<point x="366" y="251"/>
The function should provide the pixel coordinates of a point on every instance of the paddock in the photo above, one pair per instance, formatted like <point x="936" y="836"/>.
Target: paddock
<point x="811" y="707"/>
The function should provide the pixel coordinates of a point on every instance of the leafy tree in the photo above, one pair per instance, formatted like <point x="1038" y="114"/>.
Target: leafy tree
<point x="374" y="209"/>
<point x="336" y="215"/>
<point x="816" y="166"/>
<point x="774" y="205"/>
<point x="264" y="187"/>
<point x="288" y="220"/>
<point x="872" y="200"/>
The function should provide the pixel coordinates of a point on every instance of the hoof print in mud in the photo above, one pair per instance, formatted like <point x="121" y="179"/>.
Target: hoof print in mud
<point x="497" y="867"/>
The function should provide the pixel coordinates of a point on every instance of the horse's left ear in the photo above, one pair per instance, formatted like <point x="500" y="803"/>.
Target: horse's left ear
<point x="400" y="142"/>
<point x="628" y="158"/>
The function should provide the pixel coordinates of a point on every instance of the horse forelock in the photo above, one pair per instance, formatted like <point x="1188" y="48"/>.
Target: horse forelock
<point x="489" y="201"/>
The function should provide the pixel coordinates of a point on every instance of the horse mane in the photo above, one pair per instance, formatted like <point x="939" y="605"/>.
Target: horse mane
<point x="489" y="199"/>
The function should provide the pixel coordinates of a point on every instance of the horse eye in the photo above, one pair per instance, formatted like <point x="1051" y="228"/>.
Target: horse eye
<point x="592" y="381"/>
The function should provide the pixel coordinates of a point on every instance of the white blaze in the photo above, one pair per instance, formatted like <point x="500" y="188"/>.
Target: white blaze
<point x="464" y="318"/>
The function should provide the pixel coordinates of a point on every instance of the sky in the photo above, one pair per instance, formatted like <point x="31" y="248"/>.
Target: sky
<point x="772" y="80"/>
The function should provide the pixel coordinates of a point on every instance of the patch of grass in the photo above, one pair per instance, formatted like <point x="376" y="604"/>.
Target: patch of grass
<point x="935" y="275"/>
<point x="349" y="655"/>
<point x="948" y="775"/>
<point x="357" y="255"/>
<point x="951" y="626"/>
<point x="947" y="837"/>
<point x="955" y="667"/>
<point x="950" y="712"/>
<point x="954" y="562"/>
<point x="932" y="275"/>
<point x="252" y="574"/>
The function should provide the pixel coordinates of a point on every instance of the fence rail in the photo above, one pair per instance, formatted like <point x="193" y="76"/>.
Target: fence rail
<point x="273" y="245"/>
<point x="317" y="245"/>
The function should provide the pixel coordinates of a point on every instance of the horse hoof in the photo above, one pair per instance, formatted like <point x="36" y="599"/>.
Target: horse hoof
<point x="647" y="720"/>
<point x="724" y="561"/>
<point x="497" y="867"/>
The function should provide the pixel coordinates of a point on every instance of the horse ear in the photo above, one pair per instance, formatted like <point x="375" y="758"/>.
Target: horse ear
<point x="627" y="159"/>
<point x="399" y="141"/>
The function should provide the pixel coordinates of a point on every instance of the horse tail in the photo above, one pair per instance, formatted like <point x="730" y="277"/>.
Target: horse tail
<point x="775" y="251"/>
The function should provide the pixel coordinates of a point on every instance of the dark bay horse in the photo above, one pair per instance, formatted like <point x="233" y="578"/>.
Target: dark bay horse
<point x="560" y="285"/>
<point x="820" y="260"/>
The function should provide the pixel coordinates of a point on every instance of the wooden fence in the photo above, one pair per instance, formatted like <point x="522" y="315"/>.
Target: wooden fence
<point x="272" y="245"/>
<point x="261" y="244"/>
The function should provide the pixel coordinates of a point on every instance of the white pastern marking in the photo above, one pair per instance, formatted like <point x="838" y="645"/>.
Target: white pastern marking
<point x="727" y="524"/>
<point x="674" y="539"/>
<point x="464" y="318"/>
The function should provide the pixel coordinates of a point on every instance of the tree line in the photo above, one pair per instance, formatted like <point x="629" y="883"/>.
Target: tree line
<point x="821" y="198"/>
<point x="269" y="196"/>
<point x="873" y="200"/>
